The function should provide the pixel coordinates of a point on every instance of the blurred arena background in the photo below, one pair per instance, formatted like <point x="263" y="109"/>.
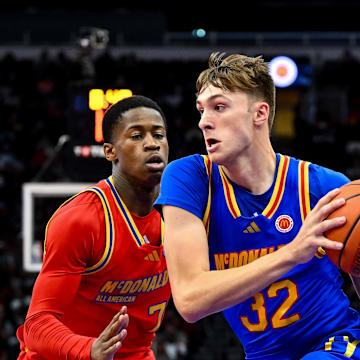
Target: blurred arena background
<point x="51" y="58"/>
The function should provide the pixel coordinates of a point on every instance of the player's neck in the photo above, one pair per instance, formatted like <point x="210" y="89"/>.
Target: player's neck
<point x="254" y="173"/>
<point x="137" y="198"/>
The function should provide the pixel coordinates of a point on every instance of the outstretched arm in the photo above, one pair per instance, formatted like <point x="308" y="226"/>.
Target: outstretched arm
<point x="199" y="292"/>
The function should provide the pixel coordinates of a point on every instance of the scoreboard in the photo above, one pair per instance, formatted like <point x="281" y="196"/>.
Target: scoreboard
<point x="84" y="160"/>
<point x="100" y="101"/>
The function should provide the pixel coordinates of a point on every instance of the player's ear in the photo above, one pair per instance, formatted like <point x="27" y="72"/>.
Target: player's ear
<point x="109" y="151"/>
<point x="261" y="113"/>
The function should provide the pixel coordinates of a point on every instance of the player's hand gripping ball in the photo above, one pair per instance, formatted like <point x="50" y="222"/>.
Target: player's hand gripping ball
<point x="348" y="258"/>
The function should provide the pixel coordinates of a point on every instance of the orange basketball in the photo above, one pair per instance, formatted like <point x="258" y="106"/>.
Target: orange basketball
<point x="348" y="258"/>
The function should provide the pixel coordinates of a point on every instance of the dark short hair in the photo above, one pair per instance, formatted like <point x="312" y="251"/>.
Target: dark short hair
<point x="114" y="113"/>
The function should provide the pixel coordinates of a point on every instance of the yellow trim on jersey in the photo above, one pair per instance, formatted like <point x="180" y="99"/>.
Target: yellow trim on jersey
<point x="162" y="231"/>
<point x="229" y="195"/>
<point x="109" y="230"/>
<point x="279" y="187"/>
<point x="134" y="231"/>
<point x="47" y="225"/>
<point x="328" y="344"/>
<point x="304" y="191"/>
<point x="304" y="197"/>
<point x="206" y="217"/>
<point x="351" y="347"/>
<point x="110" y="233"/>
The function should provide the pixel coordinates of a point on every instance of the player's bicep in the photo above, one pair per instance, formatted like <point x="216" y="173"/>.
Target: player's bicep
<point x="67" y="242"/>
<point x="60" y="275"/>
<point x="186" y="246"/>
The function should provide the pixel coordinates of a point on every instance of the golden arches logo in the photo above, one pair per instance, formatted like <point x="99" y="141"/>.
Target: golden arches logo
<point x="284" y="223"/>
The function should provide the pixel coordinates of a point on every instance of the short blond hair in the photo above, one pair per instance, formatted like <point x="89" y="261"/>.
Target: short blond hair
<point x="239" y="72"/>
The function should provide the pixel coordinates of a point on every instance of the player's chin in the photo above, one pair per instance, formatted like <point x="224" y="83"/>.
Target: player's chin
<point x="153" y="178"/>
<point x="215" y="158"/>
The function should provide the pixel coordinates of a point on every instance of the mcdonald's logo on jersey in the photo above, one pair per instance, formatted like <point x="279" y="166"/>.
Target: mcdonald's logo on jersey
<point x="284" y="223"/>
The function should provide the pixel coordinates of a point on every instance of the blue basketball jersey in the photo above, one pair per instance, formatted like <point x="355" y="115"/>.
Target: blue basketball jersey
<point x="291" y="316"/>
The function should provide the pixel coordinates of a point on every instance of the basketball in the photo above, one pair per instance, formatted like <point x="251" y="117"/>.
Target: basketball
<point x="348" y="258"/>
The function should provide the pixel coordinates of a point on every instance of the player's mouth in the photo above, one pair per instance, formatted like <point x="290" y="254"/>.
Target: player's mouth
<point x="212" y="144"/>
<point x="155" y="163"/>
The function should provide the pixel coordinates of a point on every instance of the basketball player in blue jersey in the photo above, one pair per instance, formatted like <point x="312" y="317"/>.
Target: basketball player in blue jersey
<point x="244" y="227"/>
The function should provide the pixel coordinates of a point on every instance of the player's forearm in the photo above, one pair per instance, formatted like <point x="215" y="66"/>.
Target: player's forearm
<point x="50" y="338"/>
<point x="196" y="290"/>
<point x="212" y="291"/>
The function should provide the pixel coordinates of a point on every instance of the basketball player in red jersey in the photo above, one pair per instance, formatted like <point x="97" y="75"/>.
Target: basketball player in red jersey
<point x="104" y="274"/>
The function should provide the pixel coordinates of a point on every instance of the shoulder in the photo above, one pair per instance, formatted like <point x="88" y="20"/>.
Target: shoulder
<point x="185" y="184"/>
<point x="74" y="236"/>
<point x="73" y="230"/>
<point x="191" y="162"/>
<point x="327" y="177"/>
<point x="322" y="180"/>
<point x="323" y="177"/>
<point x="185" y="172"/>
<point x="79" y="211"/>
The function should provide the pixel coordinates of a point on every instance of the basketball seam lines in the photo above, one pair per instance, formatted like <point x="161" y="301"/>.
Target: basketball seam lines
<point x="346" y="239"/>
<point x="351" y="197"/>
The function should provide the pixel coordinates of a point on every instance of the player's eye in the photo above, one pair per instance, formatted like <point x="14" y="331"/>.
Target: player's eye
<point x="159" y="136"/>
<point x="136" y="136"/>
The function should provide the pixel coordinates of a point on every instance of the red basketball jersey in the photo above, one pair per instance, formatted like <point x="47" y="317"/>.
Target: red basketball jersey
<point x="130" y="272"/>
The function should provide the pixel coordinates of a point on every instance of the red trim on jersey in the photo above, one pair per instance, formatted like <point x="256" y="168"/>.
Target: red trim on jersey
<point x="281" y="187"/>
<point x="302" y="189"/>
<point x="208" y="168"/>
<point x="228" y="196"/>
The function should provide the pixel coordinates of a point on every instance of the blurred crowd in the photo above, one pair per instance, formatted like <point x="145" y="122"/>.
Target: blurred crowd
<point x="322" y="118"/>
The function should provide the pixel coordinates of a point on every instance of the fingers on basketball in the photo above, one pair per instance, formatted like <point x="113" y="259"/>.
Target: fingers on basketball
<point x="348" y="258"/>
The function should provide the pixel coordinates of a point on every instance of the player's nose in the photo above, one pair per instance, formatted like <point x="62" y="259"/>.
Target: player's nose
<point x="205" y="122"/>
<point x="150" y="142"/>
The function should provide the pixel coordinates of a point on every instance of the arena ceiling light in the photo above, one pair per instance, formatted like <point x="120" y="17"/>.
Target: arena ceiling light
<point x="283" y="70"/>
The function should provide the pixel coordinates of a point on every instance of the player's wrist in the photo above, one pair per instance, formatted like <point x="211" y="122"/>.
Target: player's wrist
<point x="289" y="256"/>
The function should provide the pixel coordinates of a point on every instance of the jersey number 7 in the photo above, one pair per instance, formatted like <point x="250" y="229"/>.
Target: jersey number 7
<point x="160" y="308"/>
